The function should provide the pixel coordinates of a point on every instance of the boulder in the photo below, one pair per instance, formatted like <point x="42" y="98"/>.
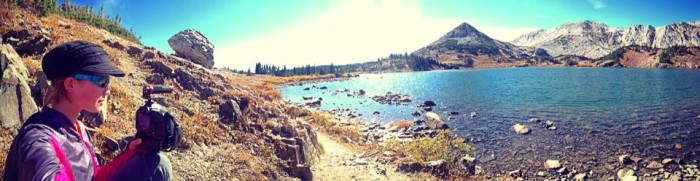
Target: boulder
<point x="230" y="112"/>
<point x="27" y="41"/>
<point x="434" y="121"/>
<point x="193" y="46"/>
<point x="16" y="102"/>
<point x="521" y="129"/>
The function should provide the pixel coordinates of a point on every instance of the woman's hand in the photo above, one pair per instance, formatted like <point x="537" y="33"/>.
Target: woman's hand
<point x="133" y="145"/>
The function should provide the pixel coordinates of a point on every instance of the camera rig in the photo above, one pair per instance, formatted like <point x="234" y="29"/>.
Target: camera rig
<point x="155" y="126"/>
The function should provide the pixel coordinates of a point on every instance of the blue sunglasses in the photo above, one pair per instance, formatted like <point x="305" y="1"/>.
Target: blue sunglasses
<point x="101" y="81"/>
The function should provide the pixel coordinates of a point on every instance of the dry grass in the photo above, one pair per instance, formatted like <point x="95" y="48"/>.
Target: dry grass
<point x="402" y="124"/>
<point x="443" y="146"/>
<point x="327" y="124"/>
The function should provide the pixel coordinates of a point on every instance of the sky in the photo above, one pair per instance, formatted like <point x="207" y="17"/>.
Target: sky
<point x="295" y="32"/>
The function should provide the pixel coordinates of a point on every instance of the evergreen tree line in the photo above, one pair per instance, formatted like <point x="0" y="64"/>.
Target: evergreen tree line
<point x="415" y="63"/>
<point x="80" y="13"/>
<point x="301" y="70"/>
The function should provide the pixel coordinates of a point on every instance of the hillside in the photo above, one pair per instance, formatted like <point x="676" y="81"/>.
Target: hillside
<point x="642" y="56"/>
<point x="221" y="112"/>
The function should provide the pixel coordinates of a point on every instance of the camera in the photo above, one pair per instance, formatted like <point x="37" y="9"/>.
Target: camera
<point x="156" y="128"/>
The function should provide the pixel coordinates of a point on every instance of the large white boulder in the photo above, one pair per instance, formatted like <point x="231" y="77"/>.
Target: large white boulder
<point x="193" y="46"/>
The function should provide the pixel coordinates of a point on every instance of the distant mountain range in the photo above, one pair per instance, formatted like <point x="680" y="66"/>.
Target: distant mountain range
<point x="594" y="39"/>
<point x="587" y="43"/>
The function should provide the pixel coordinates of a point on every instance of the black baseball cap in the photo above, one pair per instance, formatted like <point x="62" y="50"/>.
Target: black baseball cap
<point x="78" y="57"/>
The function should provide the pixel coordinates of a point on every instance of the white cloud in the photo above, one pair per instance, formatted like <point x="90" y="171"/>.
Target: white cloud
<point x="597" y="4"/>
<point x="352" y="32"/>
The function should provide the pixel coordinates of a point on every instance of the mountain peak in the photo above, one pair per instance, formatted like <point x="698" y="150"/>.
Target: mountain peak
<point x="464" y="30"/>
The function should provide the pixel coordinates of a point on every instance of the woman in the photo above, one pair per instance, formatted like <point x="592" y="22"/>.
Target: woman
<point x="52" y="144"/>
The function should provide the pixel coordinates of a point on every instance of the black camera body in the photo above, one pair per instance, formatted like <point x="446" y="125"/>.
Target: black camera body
<point x="156" y="128"/>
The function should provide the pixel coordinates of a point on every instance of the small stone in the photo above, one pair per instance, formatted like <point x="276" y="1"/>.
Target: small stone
<point x="478" y="170"/>
<point x="629" y="178"/>
<point x="552" y="128"/>
<point x="549" y="123"/>
<point x="580" y="176"/>
<point x="624" y="159"/>
<point x="563" y="170"/>
<point x="514" y="173"/>
<point x="534" y="120"/>
<point x="541" y="174"/>
<point x="625" y="172"/>
<point x="667" y="161"/>
<point x="389" y="153"/>
<point x="678" y="146"/>
<point x="654" y="165"/>
<point x="552" y="164"/>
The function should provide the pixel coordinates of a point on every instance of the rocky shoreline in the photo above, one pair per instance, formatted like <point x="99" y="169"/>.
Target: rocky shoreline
<point x="486" y="165"/>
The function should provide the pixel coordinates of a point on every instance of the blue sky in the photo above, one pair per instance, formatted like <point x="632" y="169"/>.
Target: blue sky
<point x="292" y="32"/>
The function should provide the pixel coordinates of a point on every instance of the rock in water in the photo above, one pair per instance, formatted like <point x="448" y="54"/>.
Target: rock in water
<point x="521" y="129"/>
<point x="552" y="164"/>
<point x="193" y="46"/>
<point x="434" y="121"/>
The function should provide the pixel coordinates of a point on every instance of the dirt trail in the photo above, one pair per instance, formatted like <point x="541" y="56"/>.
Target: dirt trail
<point x="341" y="162"/>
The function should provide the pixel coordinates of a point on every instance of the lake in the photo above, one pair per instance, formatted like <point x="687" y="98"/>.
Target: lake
<point x="600" y="113"/>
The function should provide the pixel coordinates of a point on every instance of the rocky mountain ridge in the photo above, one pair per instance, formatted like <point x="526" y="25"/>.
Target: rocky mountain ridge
<point x="595" y="39"/>
<point x="465" y="46"/>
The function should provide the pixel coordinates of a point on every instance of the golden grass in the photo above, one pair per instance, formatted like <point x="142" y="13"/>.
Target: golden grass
<point x="424" y="149"/>
<point x="327" y="124"/>
<point x="402" y="124"/>
<point x="200" y="128"/>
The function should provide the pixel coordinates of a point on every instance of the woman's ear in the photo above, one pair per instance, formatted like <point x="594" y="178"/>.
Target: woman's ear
<point x="69" y="84"/>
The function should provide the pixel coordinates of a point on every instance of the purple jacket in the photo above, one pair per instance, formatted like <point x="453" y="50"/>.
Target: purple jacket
<point x="48" y="147"/>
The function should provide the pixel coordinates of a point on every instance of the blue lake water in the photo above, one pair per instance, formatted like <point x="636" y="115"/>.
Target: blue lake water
<point x="600" y="113"/>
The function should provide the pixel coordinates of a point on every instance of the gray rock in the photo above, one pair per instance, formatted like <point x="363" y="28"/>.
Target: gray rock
<point x="155" y="79"/>
<point x="16" y="102"/>
<point x="521" y="129"/>
<point x="654" y="165"/>
<point x="114" y="44"/>
<point x="134" y="51"/>
<point x="160" y="67"/>
<point x="27" y="43"/>
<point x="624" y="159"/>
<point x="111" y="144"/>
<point x="409" y="167"/>
<point x="193" y="46"/>
<point x="534" y="120"/>
<point x="434" y="121"/>
<point x="230" y="112"/>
